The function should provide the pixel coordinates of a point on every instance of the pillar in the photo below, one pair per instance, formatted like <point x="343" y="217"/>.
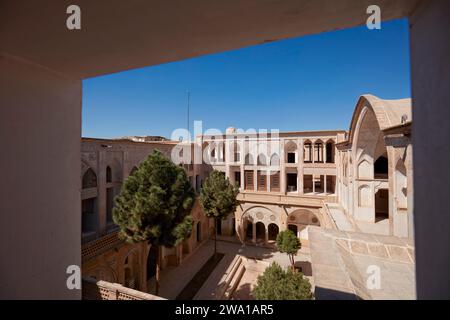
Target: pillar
<point x="313" y="184"/>
<point x="300" y="151"/>
<point x="430" y="73"/>
<point x="266" y="230"/>
<point x="227" y="157"/>
<point x="253" y="232"/>
<point x="40" y="132"/>
<point x="325" y="184"/>
<point x="242" y="162"/>
<point x="242" y="188"/>
<point x="313" y="148"/>
<point x="101" y="187"/>
<point x="282" y="168"/>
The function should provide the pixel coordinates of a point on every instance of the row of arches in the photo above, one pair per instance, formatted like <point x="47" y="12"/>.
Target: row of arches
<point x="374" y="187"/>
<point x="262" y="161"/>
<point x="128" y="270"/>
<point x="261" y="225"/>
<point x="90" y="180"/>
<point x="91" y="206"/>
<point x="321" y="151"/>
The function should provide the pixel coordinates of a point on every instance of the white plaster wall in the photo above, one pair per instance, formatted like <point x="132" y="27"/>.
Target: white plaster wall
<point x="430" y="71"/>
<point x="40" y="129"/>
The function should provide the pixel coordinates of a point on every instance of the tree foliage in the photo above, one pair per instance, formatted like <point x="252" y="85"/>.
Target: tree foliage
<point x="278" y="284"/>
<point x="218" y="196"/>
<point x="155" y="203"/>
<point x="287" y="242"/>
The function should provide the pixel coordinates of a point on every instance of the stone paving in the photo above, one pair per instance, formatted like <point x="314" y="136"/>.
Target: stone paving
<point x="339" y="217"/>
<point x="174" y="279"/>
<point x="249" y="278"/>
<point x="343" y="263"/>
<point x="339" y="261"/>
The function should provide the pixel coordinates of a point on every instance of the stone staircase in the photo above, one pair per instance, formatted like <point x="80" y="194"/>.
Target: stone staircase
<point x="231" y="278"/>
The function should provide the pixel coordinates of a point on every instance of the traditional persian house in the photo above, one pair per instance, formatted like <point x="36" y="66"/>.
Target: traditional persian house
<point x="105" y="165"/>
<point x="355" y="182"/>
<point x="375" y="167"/>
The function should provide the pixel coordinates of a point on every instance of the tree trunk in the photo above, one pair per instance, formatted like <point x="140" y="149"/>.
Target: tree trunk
<point x="291" y="256"/>
<point x="215" y="238"/>
<point x="158" y="263"/>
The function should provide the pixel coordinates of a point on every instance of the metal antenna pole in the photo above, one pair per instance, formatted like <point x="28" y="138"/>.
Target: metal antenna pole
<point x="188" y="106"/>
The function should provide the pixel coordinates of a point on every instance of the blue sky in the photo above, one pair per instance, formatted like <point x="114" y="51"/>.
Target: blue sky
<point x="307" y="83"/>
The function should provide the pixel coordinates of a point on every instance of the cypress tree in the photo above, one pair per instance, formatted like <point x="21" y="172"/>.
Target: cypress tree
<point x="218" y="199"/>
<point x="154" y="205"/>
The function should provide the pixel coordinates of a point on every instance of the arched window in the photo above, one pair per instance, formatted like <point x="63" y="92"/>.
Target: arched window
<point x="108" y="174"/>
<point x="249" y="159"/>
<point x="275" y="160"/>
<point x="236" y="152"/>
<point x="318" y="151"/>
<point x="262" y="160"/>
<point x="89" y="179"/>
<point x="364" y="196"/>
<point x="364" y="170"/>
<point x="330" y="151"/>
<point x="290" y="149"/>
<point x="307" y="152"/>
<point x="380" y="167"/>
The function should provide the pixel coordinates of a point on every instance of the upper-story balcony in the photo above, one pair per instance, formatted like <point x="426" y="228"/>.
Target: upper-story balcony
<point x="282" y="199"/>
<point x="100" y="245"/>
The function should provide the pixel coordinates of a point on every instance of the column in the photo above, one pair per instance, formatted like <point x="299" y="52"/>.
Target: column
<point x="313" y="148"/>
<point x="101" y="187"/>
<point x="227" y="157"/>
<point x="313" y="184"/>
<point x="40" y="130"/>
<point x="268" y="178"/>
<point x="242" y="162"/>
<point x="300" y="165"/>
<point x="255" y="180"/>
<point x="266" y="230"/>
<point x="325" y="152"/>
<point x="430" y="73"/>
<point x="325" y="184"/>
<point x="282" y="168"/>
<point x="254" y="232"/>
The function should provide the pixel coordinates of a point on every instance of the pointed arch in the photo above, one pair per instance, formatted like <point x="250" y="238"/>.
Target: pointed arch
<point x="249" y="159"/>
<point x="262" y="160"/>
<point x="275" y="160"/>
<point x="89" y="179"/>
<point x="330" y="151"/>
<point x="108" y="174"/>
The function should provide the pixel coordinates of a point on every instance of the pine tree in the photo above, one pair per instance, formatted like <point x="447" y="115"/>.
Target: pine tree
<point x="154" y="205"/>
<point x="277" y="284"/>
<point x="218" y="199"/>
<point x="287" y="242"/>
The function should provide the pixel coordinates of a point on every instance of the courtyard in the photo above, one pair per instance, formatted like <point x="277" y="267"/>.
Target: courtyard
<point x="175" y="279"/>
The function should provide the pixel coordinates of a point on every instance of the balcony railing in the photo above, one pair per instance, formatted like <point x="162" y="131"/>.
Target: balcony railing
<point x="103" y="290"/>
<point x="100" y="245"/>
<point x="266" y="197"/>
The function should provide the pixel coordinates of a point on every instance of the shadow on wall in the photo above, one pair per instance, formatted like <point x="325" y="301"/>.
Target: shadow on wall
<point x="330" y="294"/>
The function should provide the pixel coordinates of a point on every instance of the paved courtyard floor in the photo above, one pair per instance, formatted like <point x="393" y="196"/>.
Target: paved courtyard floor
<point x="174" y="279"/>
